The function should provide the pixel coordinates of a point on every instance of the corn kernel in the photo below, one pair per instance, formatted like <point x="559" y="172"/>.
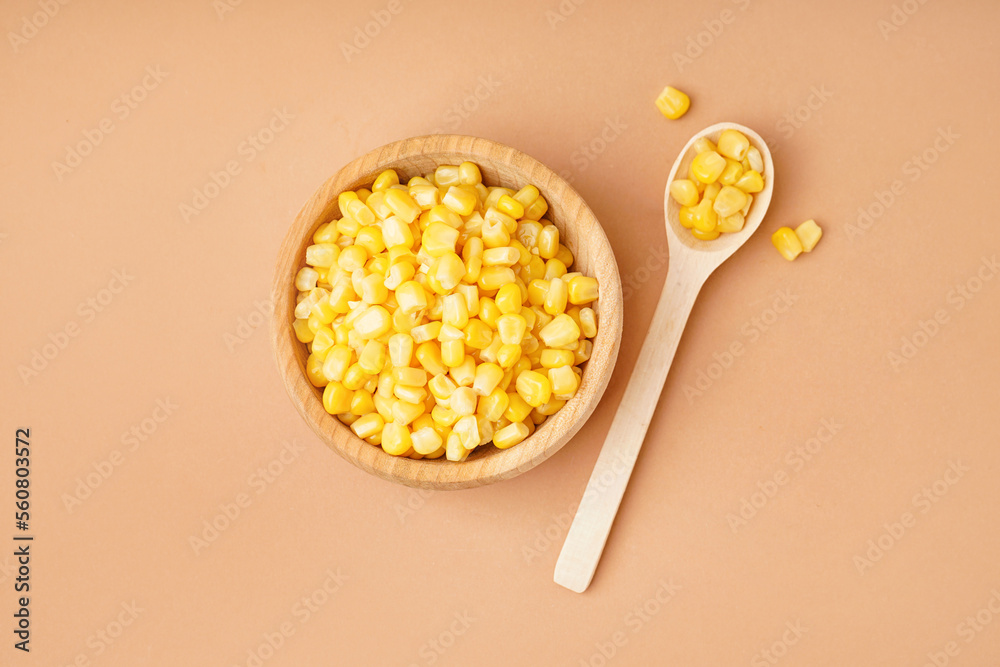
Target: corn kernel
<point x="467" y="429"/>
<point x="425" y="440"/>
<point x="705" y="236"/>
<point x="495" y="277"/>
<point x="506" y="256"/>
<point x="478" y="334"/>
<point x="429" y="356"/>
<point x="536" y="209"/>
<point x="731" y="173"/>
<point x="672" y="103"/>
<point x="564" y="382"/>
<point x="402" y="205"/>
<point x="708" y="166"/>
<point x="493" y="405"/>
<point x="686" y="217"/>
<point x="385" y="180"/>
<point x="411" y="297"/>
<point x="560" y="332"/>
<point x="556" y="297"/>
<point x="448" y="270"/>
<point x="809" y="234"/>
<point x="750" y="182"/>
<point x="439" y="239"/>
<point x="488" y="376"/>
<point x="533" y="387"/>
<point x="512" y="328"/>
<point x="548" y="242"/>
<point x="337" y="398"/>
<point x="684" y="192"/>
<point x="704" y="216"/>
<point x="508" y="355"/>
<point x="368" y="425"/>
<point x="787" y="243"/>
<point x="731" y="223"/>
<point x="730" y="200"/>
<point x="460" y="200"/>
<point x="733" y="144"/>
<point x="302" y="331"/>
<point x="588" y="322"/>
<point x="372" y="357"/>
<point x="510" y="206"/>
<point x="396" y="439"/>
<point x="453" y="352"/>
<point x="583" y="289"/>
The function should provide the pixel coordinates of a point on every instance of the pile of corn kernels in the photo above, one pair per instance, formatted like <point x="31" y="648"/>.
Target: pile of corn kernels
<point x="441" y="315"/>
<point x="722" y="180"/>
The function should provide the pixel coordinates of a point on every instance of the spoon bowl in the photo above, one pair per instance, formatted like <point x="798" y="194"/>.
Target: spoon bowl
<point x="692" y="261"/>
<point x="681" y="239"/>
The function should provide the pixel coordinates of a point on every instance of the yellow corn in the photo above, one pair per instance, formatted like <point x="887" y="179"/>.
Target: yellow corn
<point x="809" y="234"/>
<point x="704" y="216"/>
<point x="787" y="243"/>
<point x="730" y="200"/>
<point x="460" y="200"/>
<point x="733" y="144"/>
<point x="705" y="236"/>
<point x="731" y="173"/>
<point x="337" y="398"/>
<point x="425" y="306"/>
<point x="672" y="103"/>
<point x="402" y="205"/>
<point x="548" y="242"/>
<point x="510" y="435"/>
<point x="429" y="356"/>
<point x="494" y="277"/>
<point x="750" y="182"/>
<point x="684" y="192"/>
<point x="368" y="425"/>
<point x="708" y="166"/>
<point x="561" y="332"/>
<point x="533" y="387"/>
<point x="465" y="373"/>
<point x="583" y="289"/>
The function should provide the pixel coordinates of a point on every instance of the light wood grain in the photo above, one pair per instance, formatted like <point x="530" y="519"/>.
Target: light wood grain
<point x="579" y="230"/>
<point x="692" y="261"/>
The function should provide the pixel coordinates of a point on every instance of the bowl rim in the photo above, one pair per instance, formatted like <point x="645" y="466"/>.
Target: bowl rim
<point x="498" y="464"/>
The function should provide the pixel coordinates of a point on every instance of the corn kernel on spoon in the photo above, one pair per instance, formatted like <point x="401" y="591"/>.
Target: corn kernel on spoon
<point x="691" y="263"/>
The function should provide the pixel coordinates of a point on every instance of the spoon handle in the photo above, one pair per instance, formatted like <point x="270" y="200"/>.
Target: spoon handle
<point x="592" y="524"/>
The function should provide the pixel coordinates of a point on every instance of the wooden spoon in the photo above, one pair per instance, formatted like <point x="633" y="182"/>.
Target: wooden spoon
<point x="691" y="263"/>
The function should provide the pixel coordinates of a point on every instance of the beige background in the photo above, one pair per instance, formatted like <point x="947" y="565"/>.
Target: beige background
<point x="885" y="81"/>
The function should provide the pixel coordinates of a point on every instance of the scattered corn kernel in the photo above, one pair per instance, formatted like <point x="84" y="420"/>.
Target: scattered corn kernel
<point x="672" y="103"/>
<point x="787" y="243"/>
<point x="809" y="235"/>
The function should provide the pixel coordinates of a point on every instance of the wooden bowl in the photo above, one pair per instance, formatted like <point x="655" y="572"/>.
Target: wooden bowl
<point x="578" y="230"/>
